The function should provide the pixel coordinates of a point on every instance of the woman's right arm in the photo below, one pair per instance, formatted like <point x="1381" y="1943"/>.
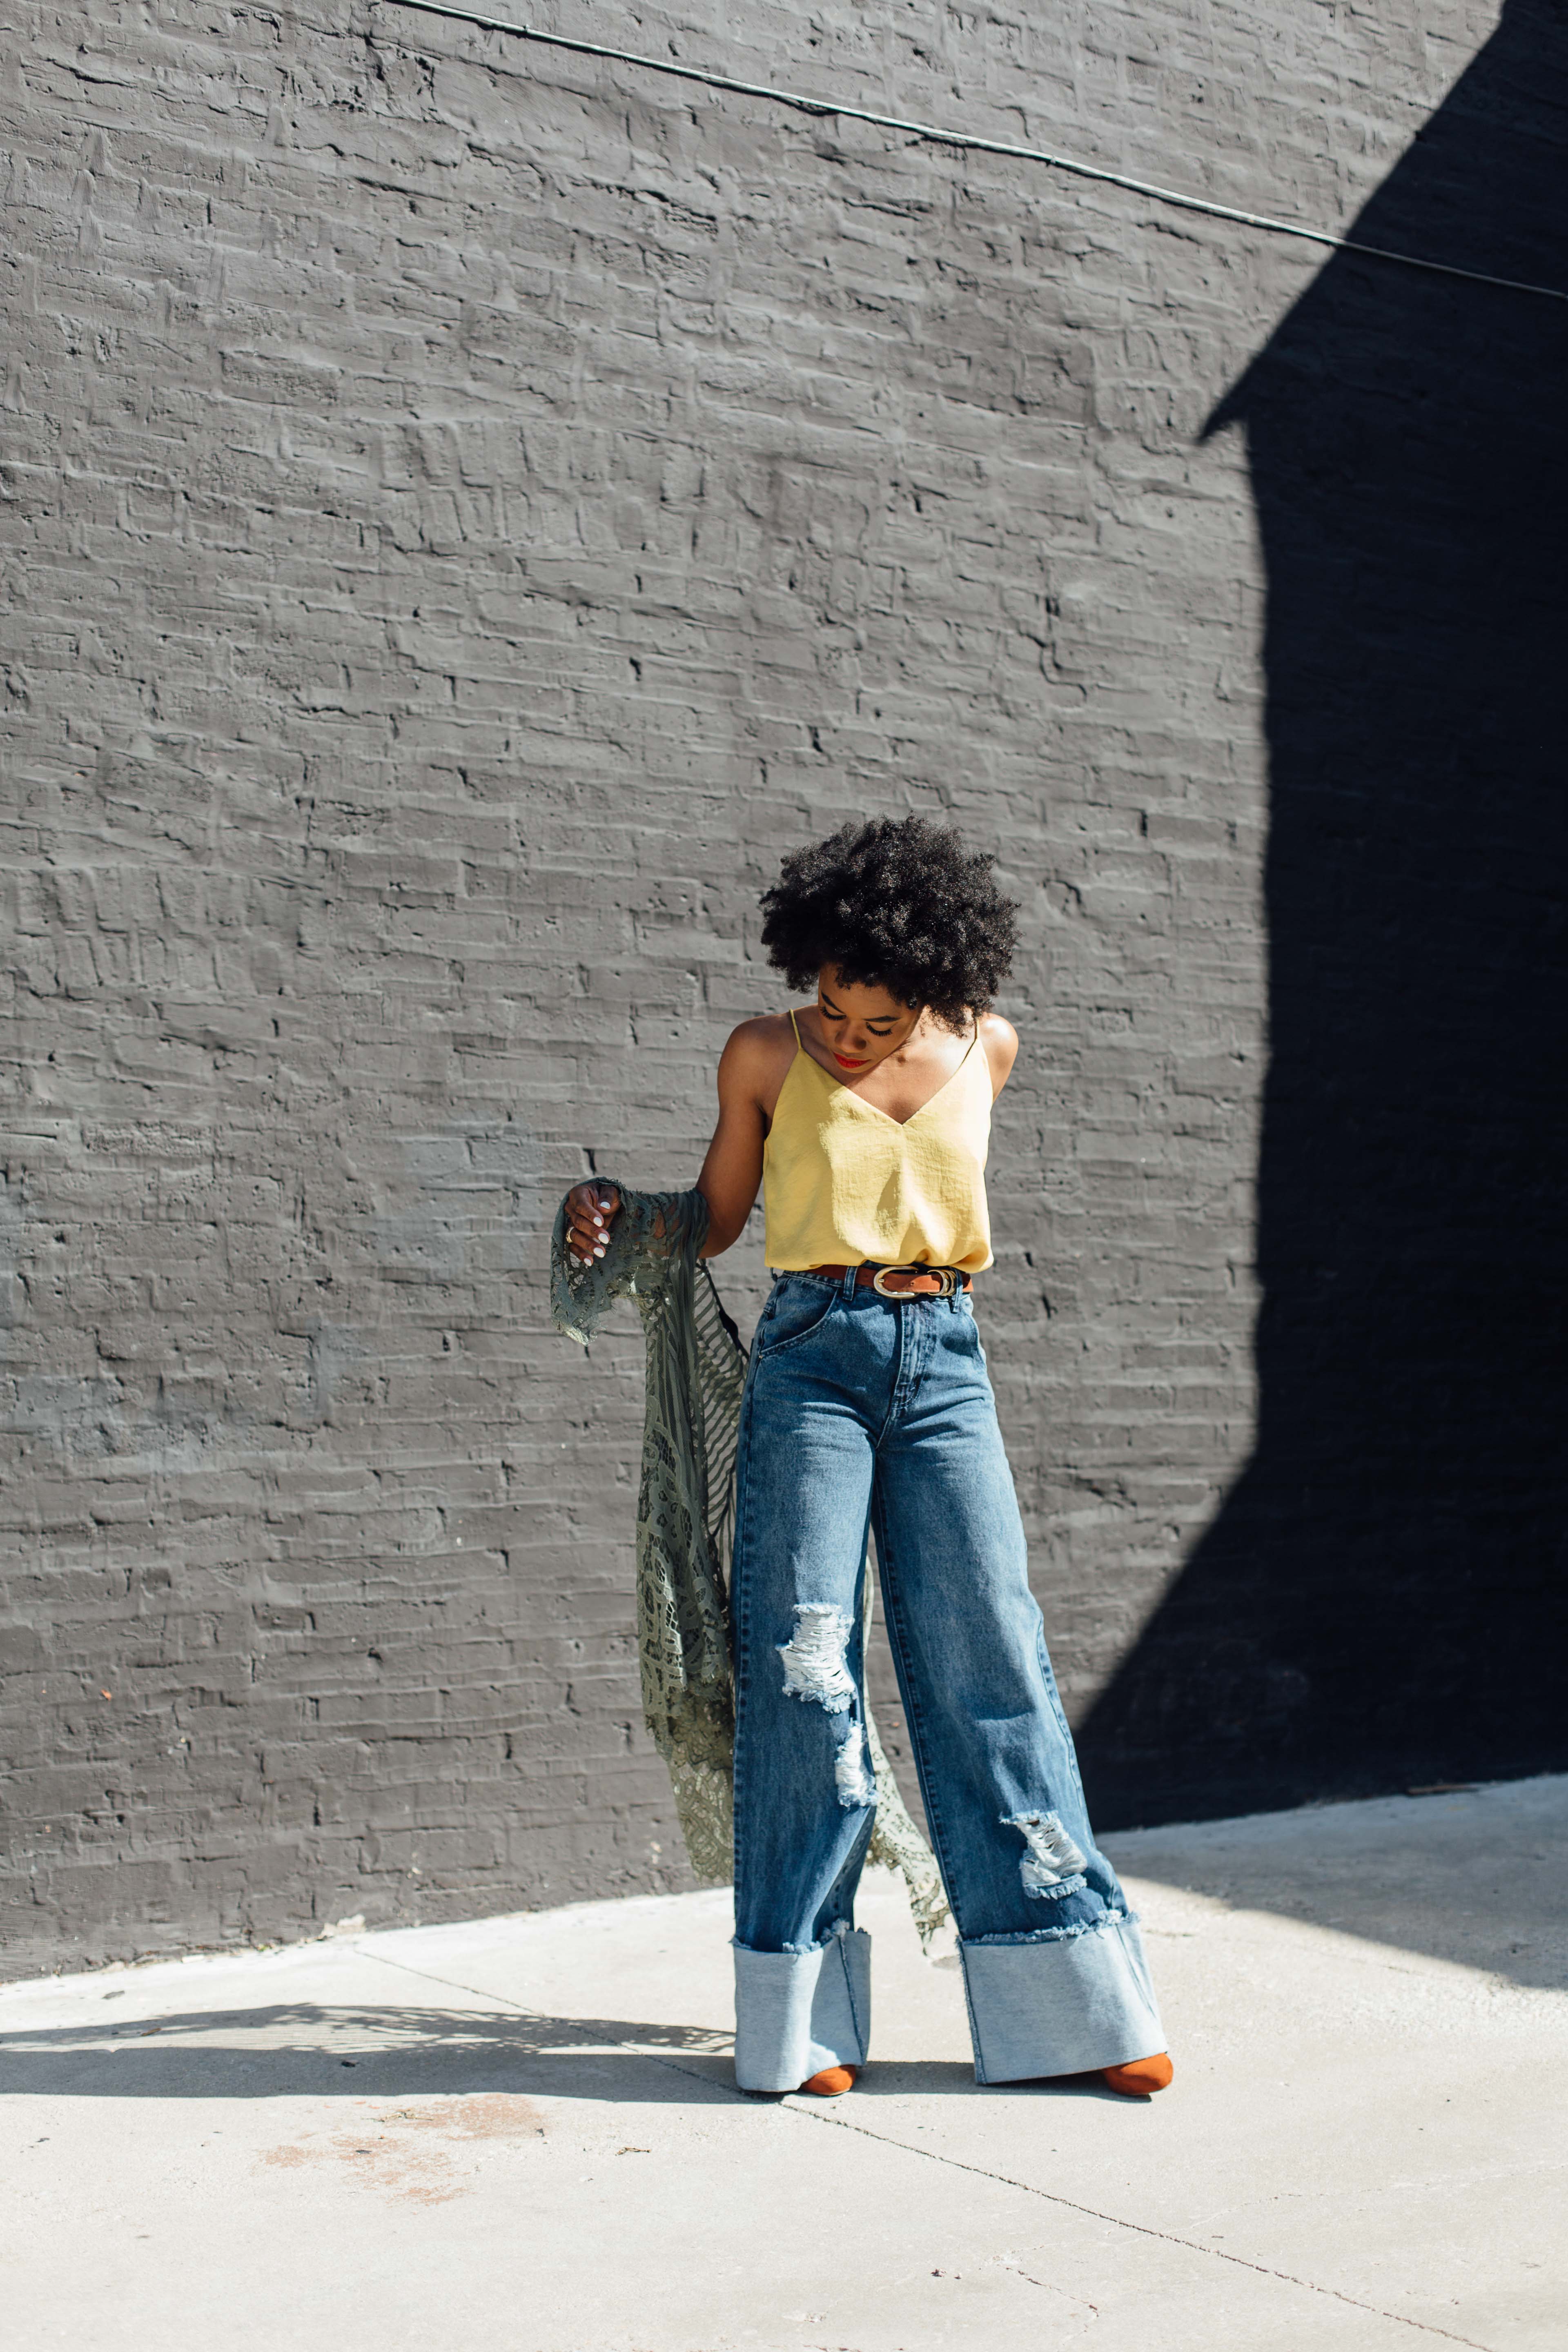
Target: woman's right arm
<point x="749" y="1080"/>
<point x="751" y="1071"/>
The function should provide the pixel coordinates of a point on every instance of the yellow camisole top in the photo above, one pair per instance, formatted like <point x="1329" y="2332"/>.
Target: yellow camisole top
<point x="843" y="1183"/>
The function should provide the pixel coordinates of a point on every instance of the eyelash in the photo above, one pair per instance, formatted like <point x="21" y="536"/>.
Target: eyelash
<point x="844" y="1016"/>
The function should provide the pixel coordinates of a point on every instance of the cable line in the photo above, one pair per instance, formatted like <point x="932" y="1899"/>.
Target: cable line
<point x="973" y="143"/>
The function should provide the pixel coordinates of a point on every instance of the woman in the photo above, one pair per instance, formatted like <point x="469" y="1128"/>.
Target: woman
<point x="865" y="1116"/>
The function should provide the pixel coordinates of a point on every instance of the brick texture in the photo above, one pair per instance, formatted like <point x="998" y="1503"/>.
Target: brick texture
<point x="468" y="511"/>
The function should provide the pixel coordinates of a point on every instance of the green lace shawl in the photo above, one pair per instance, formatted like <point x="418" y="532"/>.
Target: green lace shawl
<point x="696" y="1376"/>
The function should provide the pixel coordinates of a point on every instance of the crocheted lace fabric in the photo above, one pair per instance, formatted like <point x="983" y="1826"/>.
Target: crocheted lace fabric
<point x="685" y="1497"/>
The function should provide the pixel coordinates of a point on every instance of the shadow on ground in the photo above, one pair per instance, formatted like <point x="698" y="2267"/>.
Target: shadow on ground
<point x="360" y="2053"/>
<point x="282" y="2048"/>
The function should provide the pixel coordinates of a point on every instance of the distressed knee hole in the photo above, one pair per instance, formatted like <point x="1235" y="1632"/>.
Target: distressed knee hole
<point x="851" y="1777"/>
<point x="1052" y="1856"/>
<point x="813" y="1663"/>
<point x="815" y="1670"/>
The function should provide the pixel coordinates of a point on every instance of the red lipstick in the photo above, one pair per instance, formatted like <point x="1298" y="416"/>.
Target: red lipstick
<point x="846" y="1063"/>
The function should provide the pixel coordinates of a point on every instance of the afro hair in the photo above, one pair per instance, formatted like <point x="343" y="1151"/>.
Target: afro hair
<point x="899" y="906"/>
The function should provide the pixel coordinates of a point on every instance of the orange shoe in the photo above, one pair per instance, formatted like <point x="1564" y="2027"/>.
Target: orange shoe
<point x="1140" y="2076"/>
<point x="834" y="2081"/>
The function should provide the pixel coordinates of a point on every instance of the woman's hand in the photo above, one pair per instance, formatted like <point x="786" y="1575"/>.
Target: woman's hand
<point x="591" y="1209"/>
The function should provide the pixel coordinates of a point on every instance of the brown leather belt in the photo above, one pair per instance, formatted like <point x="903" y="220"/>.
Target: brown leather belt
<point x="902" y="1281"/>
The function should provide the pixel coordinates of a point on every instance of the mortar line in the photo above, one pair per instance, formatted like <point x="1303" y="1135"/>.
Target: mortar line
<point x="1004" y="2179"/>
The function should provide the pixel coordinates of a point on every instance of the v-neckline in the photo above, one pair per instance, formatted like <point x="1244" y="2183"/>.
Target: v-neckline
<point x="876" y="1109"/>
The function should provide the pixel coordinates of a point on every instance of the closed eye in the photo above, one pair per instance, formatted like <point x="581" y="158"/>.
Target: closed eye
<point x="831" y="1012"/>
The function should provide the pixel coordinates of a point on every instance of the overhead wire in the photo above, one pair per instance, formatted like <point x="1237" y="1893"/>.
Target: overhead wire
<point x="969" y="142"/>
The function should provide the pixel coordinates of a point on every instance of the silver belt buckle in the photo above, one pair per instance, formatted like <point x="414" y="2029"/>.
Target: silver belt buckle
<point x="949" y="1279"/>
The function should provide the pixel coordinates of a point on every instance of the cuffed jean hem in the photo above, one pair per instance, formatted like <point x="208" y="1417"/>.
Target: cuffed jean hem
<point x="796" y="2012"/>
<point x="1068" y="2006"/>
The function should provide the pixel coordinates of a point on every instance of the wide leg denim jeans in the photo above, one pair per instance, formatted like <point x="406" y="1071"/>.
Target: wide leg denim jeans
<point x="868" y="1412"/>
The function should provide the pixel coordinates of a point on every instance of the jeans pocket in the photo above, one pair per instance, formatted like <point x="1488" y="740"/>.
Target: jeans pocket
<point x="794" y="1312"/>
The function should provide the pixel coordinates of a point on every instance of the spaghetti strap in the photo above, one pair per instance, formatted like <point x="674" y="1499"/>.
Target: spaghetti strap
<point x="795" y="1027"/>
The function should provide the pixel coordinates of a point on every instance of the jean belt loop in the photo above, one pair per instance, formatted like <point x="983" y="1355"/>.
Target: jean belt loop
<point x="846" y="1282"/>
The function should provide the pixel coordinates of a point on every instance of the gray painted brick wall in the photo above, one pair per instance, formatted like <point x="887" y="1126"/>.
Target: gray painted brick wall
<point x="469" y="509"/>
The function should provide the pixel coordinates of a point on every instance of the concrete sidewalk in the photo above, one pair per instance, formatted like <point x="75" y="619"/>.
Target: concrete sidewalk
<point x="523" y="2134"/>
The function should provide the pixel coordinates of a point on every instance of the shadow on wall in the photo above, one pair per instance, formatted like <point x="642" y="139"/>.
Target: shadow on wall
<point x="1381" y="1601"/>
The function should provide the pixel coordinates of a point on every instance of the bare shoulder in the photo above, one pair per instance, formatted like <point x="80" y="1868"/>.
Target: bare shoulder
<point x="1000" y="1041"/>
<point x="756" y="1055"/>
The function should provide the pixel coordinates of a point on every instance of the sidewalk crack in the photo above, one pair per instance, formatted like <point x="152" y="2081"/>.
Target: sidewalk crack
<point x="1143" y="2228"/>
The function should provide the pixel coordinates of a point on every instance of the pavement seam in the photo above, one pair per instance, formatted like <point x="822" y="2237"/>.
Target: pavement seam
<point x="1004" y="2179"/>
<point x="1120" y="2222"/>
<point x="516" y="2008"/>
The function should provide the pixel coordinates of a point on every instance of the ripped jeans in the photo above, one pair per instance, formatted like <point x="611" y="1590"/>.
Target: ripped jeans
<point x="866" y="1413"/>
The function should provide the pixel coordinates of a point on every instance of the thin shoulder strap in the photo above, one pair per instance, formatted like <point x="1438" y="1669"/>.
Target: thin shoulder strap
<point x="974" y="1041"/>
<point x="794" y="1024"/>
